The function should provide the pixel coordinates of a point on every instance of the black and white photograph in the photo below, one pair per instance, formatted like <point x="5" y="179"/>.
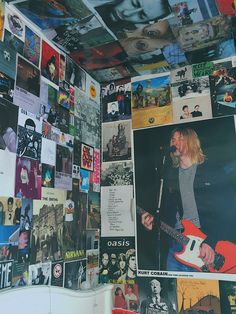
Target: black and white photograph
<point x="117" y="173"/>
<point x="116" y="141"/>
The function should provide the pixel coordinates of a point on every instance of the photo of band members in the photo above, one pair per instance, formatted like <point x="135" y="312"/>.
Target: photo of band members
<point x="185" y="197"/>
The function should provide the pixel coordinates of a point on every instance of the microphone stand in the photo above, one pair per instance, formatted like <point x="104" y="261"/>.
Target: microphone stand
<point x="159" y="200"/>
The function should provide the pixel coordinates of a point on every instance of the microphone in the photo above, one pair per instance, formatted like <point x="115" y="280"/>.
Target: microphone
<point x="168" y="150"/>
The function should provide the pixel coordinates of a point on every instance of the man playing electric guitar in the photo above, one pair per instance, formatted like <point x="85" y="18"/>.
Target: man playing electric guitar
<point x="198" y="193"/>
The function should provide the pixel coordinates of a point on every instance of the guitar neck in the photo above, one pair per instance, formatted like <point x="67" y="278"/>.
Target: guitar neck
<point x="178" y="236"/>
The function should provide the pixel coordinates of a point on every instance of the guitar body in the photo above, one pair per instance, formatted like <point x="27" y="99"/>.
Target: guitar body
<point x="189" y="256"/>
<point x="225" y="251"/>
<point x="228" y="250"/>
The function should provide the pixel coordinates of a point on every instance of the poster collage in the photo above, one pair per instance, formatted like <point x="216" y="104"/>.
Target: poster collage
<point x="165" y="148"/>
<point x="111" y="39"/>
<point x="50" y="163"/>
<point x="177" y="266"/>
<point x="135" y="250"/>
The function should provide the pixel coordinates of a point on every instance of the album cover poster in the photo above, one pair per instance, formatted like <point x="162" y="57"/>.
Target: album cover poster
<point x="84" y="180"/>
<point x="27" y="86"/>
<point x="28" y="178"/>
<point x="182" y="74"/>
<point x="151" y="101"/>
<point x="116" y="211"/>
<point x="19" y="275"/>
<point x="92" y="239"/>
<point x="26" y="214"/>
<point x="117" y="260"/>
<point x="46" y="240"/>
<point x="6" y="269"/>
<point x="72" y="99"/>
<point x="116" y="101"/>
<point x="191" y="88"/>
<point x="214" y="139"/>
<point x="92" y="267"/>
<point x="223" y="92"/>
<point x="64" y="98"/>
<point x="48" y="100"/>
<point x="7" y="173"/>
<point x="9" y="242"/>
<point x="226" y="6"/>
<point x="57" y="274"/>
<point x="86" y="157"/>
<point x="74" y="226"/>
<point x="50" y="63"/>
<point x="8" y="60"/>
<point x="48" y="155"/>
<point x="227" y="296"/>
<point x="75" y="76"/>
<point x="64" y="161"/>
<point x="6" y="87"/>
<point x="46" y="130"/>
<point x="157" y="295"/>
<point x="75" y="274"/>
<point x="92" y="257"/>
<point x="40" y="274"/>
<point x="48" y="176"/>
<point x="220" y="50"/>
<point x="94" y="216"/>
<point x="13" y="42"/>
<point x="203" y="69"/>
<point x="73" y="37"/>
<point x="96" y="170"/>
<point x="77" y="152"/>
<point x="114" y="73"/>
<point x="195" y="294"/>
<point x="190" y="109"/>
<point x="44" y="19"/>
<point x="107" y="55"/>
<point x="93" y="90"/>
<point x="126" y="296"/>
<point x="90" y="134"/>
<point x="116" y="141"/>
<point x="155" y="63"/>
<point x="86" y="109"/>
<point x="77" y="129"/>
<point x="29" y="141"/>
<point x="32" y="46"/>
<point x="8" y="126"/>
<point x="29" y="120"/>
<point x="189" y="12"/>
<point x="14" y="23"/>
<point x="219" y="29"/>
<point x="55" y="134"/>
<point x="10" y="209"/>
<point x="63" y="119"/>
<point x="72" y="124"/>
<point x="24" y="246"/>
<point x="117" y="173"/>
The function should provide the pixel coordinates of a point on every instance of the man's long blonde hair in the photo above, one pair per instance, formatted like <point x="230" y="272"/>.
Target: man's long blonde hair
<point x="194" y="150"/>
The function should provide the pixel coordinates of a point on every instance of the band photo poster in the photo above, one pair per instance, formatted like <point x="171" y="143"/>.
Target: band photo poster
<point x="185" y="199"/>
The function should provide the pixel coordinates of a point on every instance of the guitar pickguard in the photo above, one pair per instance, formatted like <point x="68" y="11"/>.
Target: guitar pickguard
<point x="190" y="254"/>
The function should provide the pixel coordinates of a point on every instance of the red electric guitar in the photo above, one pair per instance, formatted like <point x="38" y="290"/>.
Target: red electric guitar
<point x="191" y="239"/>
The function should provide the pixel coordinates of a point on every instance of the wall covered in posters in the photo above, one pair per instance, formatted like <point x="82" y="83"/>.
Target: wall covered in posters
<point x="50" y="171"/>
<point x="182" y="173"/>
<point x="161" y="183"/>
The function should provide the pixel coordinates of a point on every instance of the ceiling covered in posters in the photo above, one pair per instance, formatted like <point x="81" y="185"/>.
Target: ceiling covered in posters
<point x="112" y="39"/>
